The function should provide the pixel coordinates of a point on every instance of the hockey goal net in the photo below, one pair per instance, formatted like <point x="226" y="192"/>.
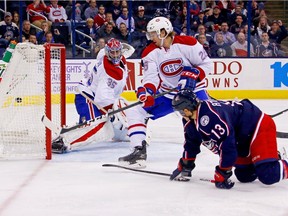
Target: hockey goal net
<point x="26" y="94"/>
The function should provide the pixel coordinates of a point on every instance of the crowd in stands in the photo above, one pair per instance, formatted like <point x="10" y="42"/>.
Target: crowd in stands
<point x="221" y="26"/>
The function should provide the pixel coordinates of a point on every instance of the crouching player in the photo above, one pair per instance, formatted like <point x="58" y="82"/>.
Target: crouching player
<point x="97" y="94"/>
<point x="239" y="132"/>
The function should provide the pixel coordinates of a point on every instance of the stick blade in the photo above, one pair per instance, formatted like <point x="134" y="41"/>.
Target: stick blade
<point x="50" y="125"/>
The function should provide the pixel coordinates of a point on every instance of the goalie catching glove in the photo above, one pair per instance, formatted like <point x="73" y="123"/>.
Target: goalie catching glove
<point x="145" y="95"/>
<point x="188" y="78"/>
<point x="185" y="167"/>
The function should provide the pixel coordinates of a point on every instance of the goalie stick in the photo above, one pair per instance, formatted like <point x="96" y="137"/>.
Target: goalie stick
<point x="61" y="130"/>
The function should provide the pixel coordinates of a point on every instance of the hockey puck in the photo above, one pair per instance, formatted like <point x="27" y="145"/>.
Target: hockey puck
<point x="18" y="100"/>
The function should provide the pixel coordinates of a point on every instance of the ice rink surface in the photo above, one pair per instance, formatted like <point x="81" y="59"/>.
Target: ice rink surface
<point x="76" y="184"/>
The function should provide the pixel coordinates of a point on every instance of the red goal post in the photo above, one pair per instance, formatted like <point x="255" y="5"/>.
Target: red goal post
<point x="49" y="57"/>
<point x="26" y="93"/>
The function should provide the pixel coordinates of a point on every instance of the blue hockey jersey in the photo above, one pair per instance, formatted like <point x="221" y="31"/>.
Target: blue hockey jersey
<point x="226" y="128"/>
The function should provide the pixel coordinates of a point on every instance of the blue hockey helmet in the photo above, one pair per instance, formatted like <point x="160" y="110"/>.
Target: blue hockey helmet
<point x="185" y="99"/>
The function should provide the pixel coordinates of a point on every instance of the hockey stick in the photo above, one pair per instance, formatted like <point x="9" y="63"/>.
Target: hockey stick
<point x="282" y="135"/>
<point x="279" y="113"/>
<point x="61" y="130"/>
<point x="181" y="178"/>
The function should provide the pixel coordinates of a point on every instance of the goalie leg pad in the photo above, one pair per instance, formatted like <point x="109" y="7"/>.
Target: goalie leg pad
<point x="95" y="132"/>
<point x="120" y="122"/>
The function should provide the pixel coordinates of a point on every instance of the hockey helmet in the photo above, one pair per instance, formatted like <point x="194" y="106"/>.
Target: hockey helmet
<point x="185" y="99"/>
<point x="156" y="25"/>
<point x="113" y="50"/>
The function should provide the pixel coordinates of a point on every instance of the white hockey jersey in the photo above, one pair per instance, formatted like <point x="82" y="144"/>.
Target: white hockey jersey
<point x="162" y="67"/>
<point x="106" y="82"/>
<point x="57" y="13"/>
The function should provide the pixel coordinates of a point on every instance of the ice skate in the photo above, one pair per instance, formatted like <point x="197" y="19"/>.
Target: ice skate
<point x="58" y="146"/>
<point x="137" y="158"/>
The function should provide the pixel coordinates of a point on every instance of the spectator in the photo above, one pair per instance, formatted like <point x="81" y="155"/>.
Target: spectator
<point x="106" y="31"/>
<point x="174" y="7"/>
<point x="100" y="18"/>
<point x="237" y="26"/>
<point x="16" y="19"/>
<point x="141" y="21"/>
<point x="220" y="48"/>
<point x="27" y="30"/>
<point x="41" y="10"/>
<point x="278" y="32"/>
<point x="92" y="10"/>
<point x="32" y="38"/>
<point x="239" y="47"/>
<point x="115" y="9"/>
<point x="217" y="18"/>
<point x="197" y="20"/>
<point x="242" y="7"/>
<point x="8" y="30"/>
<point x="124" y="33"/>
<point x="226" y="6"/>
<point x="266" y="49"/>
<point x="109" y="19"/>
<point x="123" y="18"/>
<point x="78" y="11"/>
<point x="58" y="14"/>
<point x="237" y="12"/>
<point x="99" y="45"/>
<point x="181" y="20"/>
<point x="58" y="37"/>
<point x="229" y="37"/>
<point x="48" y="38"/>
<point x="124" y="4"/>
<point x="207" y="4"/>
<point x="202" y="30"/>
<point x="194" y="8"/>
<point x="91" y="31"/>
<point x="256" y="20"/>
<point x="202" y="40"/>
<point x="262" y="27"/>
<point x="41" y="38"/>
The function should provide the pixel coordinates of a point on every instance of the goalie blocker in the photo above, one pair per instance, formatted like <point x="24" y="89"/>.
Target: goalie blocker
<point x="104" y="129"/>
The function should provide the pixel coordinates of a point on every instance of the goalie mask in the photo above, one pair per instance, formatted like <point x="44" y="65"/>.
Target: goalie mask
<point x="113" y="50"/>
<point x="185" y="99"/>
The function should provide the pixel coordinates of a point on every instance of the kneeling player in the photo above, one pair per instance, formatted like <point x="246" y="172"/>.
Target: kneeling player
<point x="239" y="132"/>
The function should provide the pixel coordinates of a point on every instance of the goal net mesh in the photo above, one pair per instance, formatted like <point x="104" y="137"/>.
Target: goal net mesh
<point x="22" y="102"/>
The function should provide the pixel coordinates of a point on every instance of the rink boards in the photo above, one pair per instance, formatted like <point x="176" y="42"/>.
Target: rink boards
<point x="230" y="78"/>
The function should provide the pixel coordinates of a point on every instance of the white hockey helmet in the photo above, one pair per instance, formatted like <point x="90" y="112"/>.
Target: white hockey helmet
<point x="156" y="25"/>
<point x="113" y="50"/>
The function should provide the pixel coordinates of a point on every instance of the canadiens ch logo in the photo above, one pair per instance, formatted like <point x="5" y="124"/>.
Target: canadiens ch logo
<point x="171" y="67"/>
<point x="204" y="120"/>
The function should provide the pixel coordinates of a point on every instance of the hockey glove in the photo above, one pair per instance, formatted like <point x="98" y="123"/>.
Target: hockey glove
<point x="221" y="178"/>
<point x="188" y="78"/>
<point x="184" y="168"/>
<point x="145" y="95"/>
